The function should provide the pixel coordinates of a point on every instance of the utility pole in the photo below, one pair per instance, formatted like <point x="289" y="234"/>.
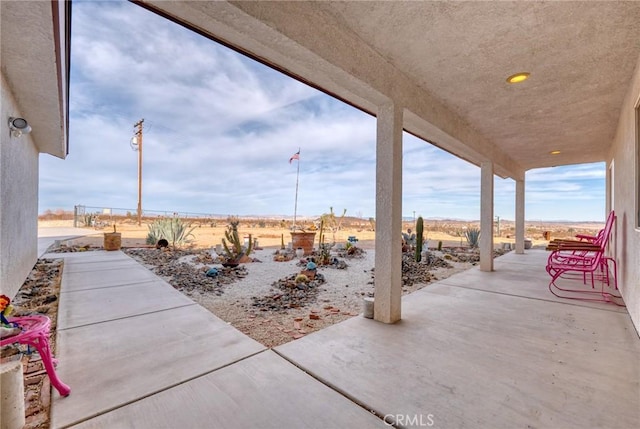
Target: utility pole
<point x="136" y="144"/>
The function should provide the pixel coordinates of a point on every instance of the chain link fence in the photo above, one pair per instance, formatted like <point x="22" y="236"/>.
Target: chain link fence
<point x="99" y="217"/>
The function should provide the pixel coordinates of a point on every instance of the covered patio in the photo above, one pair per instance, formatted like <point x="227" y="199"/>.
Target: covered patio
<point x="441" y="71"/>
<point x="486" y="348"/>
<point x="474" y="350"/>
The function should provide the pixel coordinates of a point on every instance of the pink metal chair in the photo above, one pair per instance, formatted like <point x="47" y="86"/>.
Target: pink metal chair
<point x="35" y="333"/>
<point x="573" y="259"/>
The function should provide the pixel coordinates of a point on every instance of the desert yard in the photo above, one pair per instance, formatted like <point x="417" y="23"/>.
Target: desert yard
<point x="209" y="232"/>
<point x="261" y="298"/>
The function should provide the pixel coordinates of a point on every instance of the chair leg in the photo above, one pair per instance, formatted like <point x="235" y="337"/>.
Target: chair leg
<point x="41" y="343"/>
<point x="615" y="271"/>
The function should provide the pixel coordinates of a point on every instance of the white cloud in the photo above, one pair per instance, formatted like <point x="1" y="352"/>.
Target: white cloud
<point x="220" y="128"/>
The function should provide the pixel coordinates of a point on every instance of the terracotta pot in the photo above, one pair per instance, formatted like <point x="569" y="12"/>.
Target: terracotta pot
<point x="304" y="240"/>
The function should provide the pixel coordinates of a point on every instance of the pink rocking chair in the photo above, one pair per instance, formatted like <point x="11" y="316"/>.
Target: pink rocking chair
<point x="574" y="259"/>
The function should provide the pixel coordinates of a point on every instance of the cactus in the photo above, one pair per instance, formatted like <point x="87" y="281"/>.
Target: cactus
<point x="321" y="236"/>
<point x="301" y="278"/>
<point x="419" y="238"/>
<point x="234" y="248"/>
<point x="281" y="241"/>
<point x="439" y="246"/>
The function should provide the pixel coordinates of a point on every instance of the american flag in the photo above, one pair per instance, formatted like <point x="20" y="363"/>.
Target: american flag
<point x="295" y="156"/>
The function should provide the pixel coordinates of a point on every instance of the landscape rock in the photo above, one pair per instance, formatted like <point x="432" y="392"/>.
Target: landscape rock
<point x="286" y="294"/>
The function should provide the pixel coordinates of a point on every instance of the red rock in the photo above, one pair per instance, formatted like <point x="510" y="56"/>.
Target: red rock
<point x="34" y="367"/>
<point x="36" y="420"/>
<point x="35" y="373"/>
<point x="30" y="396"/>
<point x="328" y="307"/>
<point x="32" y="380"/>
<point x="45" y="392"/>
<point x="298" y="319"/>
<point x="34" y="409"/>
<point x="296" y="325"/>
<point x="297" y="336"/>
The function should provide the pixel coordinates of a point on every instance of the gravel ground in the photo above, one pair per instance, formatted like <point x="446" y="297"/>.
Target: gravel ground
<point x="235" y="296"/>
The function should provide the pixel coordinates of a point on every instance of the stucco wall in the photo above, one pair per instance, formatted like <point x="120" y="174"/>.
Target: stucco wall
<point x="625" y="188"/>
<point x="18" y="200"/>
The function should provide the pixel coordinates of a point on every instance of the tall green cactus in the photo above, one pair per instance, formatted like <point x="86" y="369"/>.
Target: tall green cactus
<point x="321" y="236"/>
<point x="234" y="248"/>
<point x="419" y="238"/>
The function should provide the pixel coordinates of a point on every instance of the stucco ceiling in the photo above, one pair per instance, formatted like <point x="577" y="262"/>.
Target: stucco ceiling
<point x="446" y="63"/>
<point x="581" y="56"/>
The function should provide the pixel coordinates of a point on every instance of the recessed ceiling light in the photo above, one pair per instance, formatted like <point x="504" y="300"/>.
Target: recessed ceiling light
<point x="518" y="77"/>
<point x="554" y="152"/>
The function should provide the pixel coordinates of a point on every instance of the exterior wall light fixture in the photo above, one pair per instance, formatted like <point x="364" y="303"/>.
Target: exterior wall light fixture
<point x="18" y="127"/>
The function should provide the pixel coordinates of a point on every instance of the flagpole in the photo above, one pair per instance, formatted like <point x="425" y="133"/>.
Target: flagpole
<point x="295" y="209"/>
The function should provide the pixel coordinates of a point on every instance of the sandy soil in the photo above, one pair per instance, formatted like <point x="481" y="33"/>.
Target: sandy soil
<point x="204" y="235"/>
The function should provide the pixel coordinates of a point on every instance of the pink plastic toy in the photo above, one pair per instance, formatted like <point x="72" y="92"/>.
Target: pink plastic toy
<point x="35" y="333"/>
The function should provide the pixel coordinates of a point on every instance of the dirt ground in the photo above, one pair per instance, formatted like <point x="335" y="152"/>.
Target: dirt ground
<point x="205" y="235"/>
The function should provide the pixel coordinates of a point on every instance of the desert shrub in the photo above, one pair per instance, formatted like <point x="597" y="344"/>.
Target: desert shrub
<point x="174" y="230"/>
<point x="472" y="234"/>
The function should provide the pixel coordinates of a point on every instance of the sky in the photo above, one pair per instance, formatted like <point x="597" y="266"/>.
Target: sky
<point x="220" y="128"/>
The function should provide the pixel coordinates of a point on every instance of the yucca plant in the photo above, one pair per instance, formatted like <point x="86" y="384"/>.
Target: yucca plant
<point x="174" y="230"/>
<point x="472" y="234"/>
<point x="155" y="232"/>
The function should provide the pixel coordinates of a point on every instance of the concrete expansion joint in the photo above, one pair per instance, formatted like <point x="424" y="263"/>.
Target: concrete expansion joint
<point x="125" y="317"/>
<point x="336" y="389"/>
<point x="444" y="283"/>
<point x="109" y="286"/>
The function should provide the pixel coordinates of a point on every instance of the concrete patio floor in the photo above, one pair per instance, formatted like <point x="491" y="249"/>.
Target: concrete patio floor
<point x="475" y="350"/>
<point x="49" y="235"/>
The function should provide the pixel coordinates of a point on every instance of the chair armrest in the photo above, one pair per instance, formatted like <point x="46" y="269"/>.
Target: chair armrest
<point x="573" y="245"/>
<point x="586" y="237"/>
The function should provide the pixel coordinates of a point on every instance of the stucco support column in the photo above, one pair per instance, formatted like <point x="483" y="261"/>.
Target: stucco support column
<point x="486" y="216"/>
<point x="388" y="259"/>
<point x="520" y="216"/>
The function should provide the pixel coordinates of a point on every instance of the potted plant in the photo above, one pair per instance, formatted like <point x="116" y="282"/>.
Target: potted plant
<point x="304" y="240"/>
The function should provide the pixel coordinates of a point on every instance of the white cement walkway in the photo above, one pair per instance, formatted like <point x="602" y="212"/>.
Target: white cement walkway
<point x="477" y="350"/>
<point x="49" y="235"/>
